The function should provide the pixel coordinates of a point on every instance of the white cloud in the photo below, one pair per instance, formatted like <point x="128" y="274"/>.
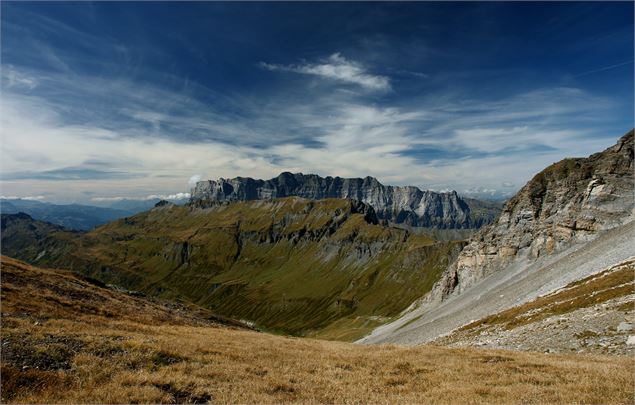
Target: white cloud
<point x="193" y="180"/>
<point x="177" y="196"/>
<point x="18" y="79"/>
<point x="478" y="191"/>
<point x="336" y="67"/>
<point x="27" y="198"/>
<point x="490" y="139"/>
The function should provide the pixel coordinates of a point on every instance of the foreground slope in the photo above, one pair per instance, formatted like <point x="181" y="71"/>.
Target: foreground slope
<point x="325" y="268"/>
<point x="67" y="339"/>
<point x="571" y="220"/>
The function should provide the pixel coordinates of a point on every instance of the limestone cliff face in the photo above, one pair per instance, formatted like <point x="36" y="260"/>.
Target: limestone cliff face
<point x="404" y="205"/>
<point x="570" y="201"/>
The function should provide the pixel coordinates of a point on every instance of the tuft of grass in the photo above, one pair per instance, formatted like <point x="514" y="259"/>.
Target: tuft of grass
<point x="15" y="382"/>
<point x="586" y="334"/>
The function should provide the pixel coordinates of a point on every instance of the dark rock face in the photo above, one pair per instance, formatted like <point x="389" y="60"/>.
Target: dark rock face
<point x="403" y="205"/>
<point x="569" y="202"/>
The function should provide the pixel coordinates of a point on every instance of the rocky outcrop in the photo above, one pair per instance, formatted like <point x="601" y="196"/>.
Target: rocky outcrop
<point x="402" y="205"/>
<point x="569" y="202"/>
<point x="163" y="203"/>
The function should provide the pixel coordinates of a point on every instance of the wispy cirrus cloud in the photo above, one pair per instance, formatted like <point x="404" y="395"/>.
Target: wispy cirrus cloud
<point x="14" y="78"/>
<point x="86" y="170"/>
<point x="336" y="67"/>
<point x="26" y="198"/>
<point x="604" y="68"/>
<point x="151" y="147"/>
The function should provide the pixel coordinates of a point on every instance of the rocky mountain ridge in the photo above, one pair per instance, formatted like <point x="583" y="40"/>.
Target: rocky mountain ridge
<point x="569" y="202"/>
<point x="402" y="205"/>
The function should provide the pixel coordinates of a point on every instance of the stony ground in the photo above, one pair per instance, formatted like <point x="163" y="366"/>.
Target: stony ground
<point x="601" y="329"/>
<point x="593" y="316"/>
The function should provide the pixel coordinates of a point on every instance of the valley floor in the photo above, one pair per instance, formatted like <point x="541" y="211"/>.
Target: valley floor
<point x="68" y="339"/>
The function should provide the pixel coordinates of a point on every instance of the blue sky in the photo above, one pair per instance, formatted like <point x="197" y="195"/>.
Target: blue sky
<point x="108" y="100"/>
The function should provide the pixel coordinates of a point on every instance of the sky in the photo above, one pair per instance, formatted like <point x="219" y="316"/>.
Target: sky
<point x="109" y="100"/>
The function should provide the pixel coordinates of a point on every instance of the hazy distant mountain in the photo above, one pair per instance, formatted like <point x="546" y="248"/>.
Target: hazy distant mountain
<point x="79" y="216"/>
<point x="131" y="205"/>
<point x="71" y="216"/>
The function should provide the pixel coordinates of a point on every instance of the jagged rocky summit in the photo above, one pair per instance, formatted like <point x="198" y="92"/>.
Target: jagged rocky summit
<point x="401" y="205"/>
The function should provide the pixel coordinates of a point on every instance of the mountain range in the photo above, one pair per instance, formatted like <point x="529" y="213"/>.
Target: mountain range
<point x="445" y="215"/>
<point x="400" y="205"/>
<point x="320" y="267"/>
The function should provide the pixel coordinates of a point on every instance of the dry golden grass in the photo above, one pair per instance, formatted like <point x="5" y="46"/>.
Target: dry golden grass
<point x="100" y="358"/>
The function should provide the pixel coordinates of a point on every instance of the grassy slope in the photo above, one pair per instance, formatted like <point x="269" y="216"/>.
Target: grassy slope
<point x="68" y="340"/>
<point x="291" y="265"/>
